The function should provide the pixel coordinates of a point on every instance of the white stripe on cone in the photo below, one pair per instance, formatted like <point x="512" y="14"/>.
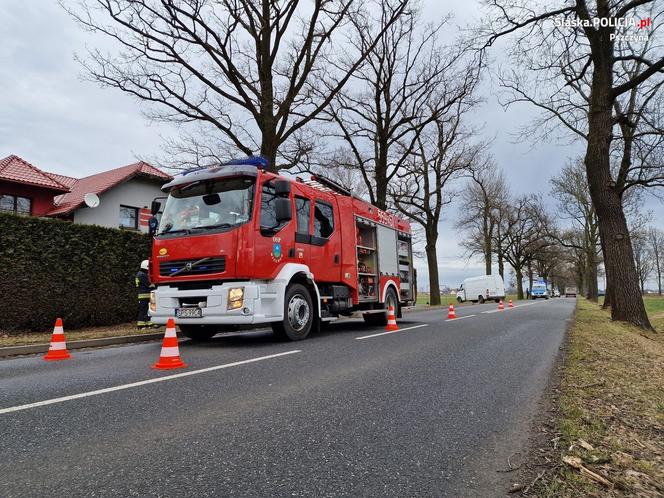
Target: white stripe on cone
<point x="170" y="333"/>
<point x="57" y="346"/>
<point x="169" y="351"/>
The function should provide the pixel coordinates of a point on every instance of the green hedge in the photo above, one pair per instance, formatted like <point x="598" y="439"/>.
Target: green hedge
<point x="81" y="273"/>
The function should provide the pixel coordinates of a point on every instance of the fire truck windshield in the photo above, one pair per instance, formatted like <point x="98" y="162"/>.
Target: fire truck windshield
<point x="208" y="205"/>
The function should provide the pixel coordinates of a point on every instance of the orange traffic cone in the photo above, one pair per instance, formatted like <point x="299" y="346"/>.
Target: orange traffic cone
<point x="58" y="348"/>
<point x="510" y="305"/>
<point x="170" y="352"/>
<point x="391" y="319"/>
<point x="451" y="314"/>
<point x="501" y="305"/>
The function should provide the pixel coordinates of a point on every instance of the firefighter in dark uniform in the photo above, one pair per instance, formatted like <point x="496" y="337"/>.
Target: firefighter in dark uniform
<point x="143" y="286"/>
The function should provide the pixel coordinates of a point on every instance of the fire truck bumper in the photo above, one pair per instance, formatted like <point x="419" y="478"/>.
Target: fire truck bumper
<point x="230" y="303"/>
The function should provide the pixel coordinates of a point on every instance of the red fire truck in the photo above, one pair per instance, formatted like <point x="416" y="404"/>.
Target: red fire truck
<point x="238" y="245"/>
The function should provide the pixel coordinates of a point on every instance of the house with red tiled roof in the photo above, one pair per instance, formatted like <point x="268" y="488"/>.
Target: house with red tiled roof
<point x="117" y="198"/>
<point x="25" y="189"/>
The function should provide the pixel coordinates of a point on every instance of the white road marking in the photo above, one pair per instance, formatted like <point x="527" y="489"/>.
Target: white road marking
<point x="140" y="383"/>
<point x="458" y="318"/>
<point x="516" y="306"/>
<point x="393" y="331"/>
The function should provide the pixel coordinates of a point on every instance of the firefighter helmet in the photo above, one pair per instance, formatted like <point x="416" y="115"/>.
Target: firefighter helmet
<point x="145" y="264"/>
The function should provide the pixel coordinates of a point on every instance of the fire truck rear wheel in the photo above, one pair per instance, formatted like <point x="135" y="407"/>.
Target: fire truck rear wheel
<point x="381" y="318"/>
<point x="298" y="314"/>
<point x="199" y="332"/>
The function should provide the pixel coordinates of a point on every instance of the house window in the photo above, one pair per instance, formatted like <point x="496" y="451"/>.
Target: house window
<point x="129" y="217"/>
<point x="15" y="204"/>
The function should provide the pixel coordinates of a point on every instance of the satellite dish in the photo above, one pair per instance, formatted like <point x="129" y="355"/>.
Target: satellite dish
<point x="91" y="200"/>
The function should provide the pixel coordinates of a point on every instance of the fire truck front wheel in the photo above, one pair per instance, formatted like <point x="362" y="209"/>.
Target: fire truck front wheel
<point x="199" y="332"/>
<point x="298" y="314"/>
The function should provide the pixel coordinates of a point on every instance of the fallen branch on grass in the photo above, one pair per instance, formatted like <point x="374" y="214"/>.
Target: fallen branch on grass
<point x="576" y="463"/>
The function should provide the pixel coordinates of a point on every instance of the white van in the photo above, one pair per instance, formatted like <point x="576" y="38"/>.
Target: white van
<point x="480" y="289"/>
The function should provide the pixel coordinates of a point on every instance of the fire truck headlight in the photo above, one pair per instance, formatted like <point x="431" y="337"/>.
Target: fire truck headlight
<point x="153" y="302"/>
<point x="235" y="298"/>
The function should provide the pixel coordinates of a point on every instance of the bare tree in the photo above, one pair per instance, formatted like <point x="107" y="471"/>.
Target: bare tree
<point x="643" y="257"/>
<point x="391" y="97"/>
<point x="570" y="187"/>
<point x="574" y="52"/>
<point x="655" y="238"/>
<point x="245" y="69"/>
<point x="483" y="202"/>
<point x="524" y="236"/>
<point x="442" y="152"/>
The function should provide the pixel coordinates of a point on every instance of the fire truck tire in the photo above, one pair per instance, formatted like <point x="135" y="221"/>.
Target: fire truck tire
<point x="199" y="333"/>
<point x="298" y="314"/>
<point x="381" y="318"/>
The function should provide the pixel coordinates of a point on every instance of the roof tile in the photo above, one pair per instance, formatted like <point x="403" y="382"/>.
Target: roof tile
<point x="100" y="183"/>
<point x="17" y="170"/>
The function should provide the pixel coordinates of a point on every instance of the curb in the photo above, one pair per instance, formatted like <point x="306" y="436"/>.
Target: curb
<point x="127" y="339"/>
<point x="83" y="343"/>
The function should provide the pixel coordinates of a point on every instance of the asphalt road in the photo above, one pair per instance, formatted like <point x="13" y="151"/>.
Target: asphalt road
<point x="432" y="410"/>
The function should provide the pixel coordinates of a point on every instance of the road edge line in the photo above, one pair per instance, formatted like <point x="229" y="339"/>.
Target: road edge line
<point x="122" y="387"/>
<point x="392" y="331"/>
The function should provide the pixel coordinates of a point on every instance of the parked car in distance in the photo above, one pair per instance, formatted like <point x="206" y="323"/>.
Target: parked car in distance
<point x="480" y="289"/>
<point x="539" y="290"/>
<point x="570" y="291"/>
<point x="556" y="293"/>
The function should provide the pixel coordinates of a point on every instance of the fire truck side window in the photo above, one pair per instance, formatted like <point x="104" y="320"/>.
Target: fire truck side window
<point x="303" y="210"/>
<point x="323" y="220"/>
<point x="269" y="225"/>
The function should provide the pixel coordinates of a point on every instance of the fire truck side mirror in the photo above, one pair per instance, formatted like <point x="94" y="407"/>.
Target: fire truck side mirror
<point x="155" y="207"/>
<point x="283" y="209"/>
<point x="282" y="188"/>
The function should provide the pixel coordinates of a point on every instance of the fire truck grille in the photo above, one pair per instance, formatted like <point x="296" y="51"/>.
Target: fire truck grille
<point x="212" y="265"/>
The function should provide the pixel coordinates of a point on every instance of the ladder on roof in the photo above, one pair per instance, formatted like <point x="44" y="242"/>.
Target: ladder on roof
<point x="317" y="185"/>
<point x="326" y="185"/>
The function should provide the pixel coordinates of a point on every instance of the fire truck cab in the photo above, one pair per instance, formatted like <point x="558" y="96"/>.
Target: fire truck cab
<point x="238" y="245"/>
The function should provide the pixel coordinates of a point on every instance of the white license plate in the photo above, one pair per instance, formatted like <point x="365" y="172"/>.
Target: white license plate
<point x="189" y="313"/>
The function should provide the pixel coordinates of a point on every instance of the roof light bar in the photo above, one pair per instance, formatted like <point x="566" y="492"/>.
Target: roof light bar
<point x="256" y="161"/>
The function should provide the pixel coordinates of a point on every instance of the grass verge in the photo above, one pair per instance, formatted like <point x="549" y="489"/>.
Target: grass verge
<point x="23" y="339"/>
<point x="608" y="435"/>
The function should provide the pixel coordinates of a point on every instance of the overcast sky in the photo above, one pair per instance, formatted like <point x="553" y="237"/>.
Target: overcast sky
<point x="59" y="122"/>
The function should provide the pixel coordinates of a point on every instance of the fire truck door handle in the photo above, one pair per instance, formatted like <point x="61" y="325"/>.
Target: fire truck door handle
<point x="336" y="259"/>
<point x="291" y="253"/>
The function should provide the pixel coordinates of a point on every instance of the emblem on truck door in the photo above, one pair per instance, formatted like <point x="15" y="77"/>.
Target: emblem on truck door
<point x="276" y="249"/>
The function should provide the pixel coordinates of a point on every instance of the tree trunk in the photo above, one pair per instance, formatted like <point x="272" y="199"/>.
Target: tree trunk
<point x="519" y="282"/>
<point x="380" y="175"/>
<point x="501" y="265"/>
<point x="626" y="300"/>
<point x="269" y="149"/>
<point x="591" y="274"/>
<point x="432" y="262"/>
<point x="267" y="124"/>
